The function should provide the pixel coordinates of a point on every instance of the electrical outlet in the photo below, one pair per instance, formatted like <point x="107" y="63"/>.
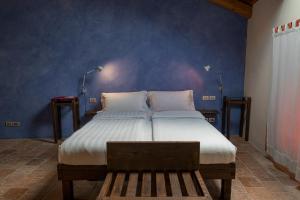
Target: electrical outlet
<point x="208" y="98"/>
<point x="212" y="98"/>
<point x="205" y="98"/>
<point x="211" y="120"/>
<point x="92" y="100"/>
<point x="12" y="124"/>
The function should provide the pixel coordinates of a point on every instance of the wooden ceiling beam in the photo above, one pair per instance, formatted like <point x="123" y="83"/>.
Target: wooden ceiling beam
<point x="249" y="2"/>
<point x="236" y="6"/>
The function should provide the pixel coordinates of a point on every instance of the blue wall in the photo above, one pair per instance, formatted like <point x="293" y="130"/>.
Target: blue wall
<point x="47" y="45"/>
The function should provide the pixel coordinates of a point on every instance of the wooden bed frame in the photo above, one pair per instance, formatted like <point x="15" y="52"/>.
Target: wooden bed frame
<point x="69" y="173"/>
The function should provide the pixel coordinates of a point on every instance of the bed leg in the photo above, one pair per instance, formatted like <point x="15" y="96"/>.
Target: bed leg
<point x="226" y="189"/>
<point x="67" y="189"/>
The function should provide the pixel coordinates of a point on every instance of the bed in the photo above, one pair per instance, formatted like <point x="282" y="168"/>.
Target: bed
<point x="83" y="155"/>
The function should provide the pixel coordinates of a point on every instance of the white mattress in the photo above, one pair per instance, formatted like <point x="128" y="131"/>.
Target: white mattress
<point x="87" y="146"/>
<point x="192" y="126"/>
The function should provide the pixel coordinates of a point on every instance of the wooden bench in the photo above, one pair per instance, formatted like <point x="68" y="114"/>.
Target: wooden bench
<point x="153" y="170"/>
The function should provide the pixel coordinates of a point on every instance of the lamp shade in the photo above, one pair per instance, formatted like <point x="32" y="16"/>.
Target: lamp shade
<point x="207" y="68"/>
<point x="99" y="68"/>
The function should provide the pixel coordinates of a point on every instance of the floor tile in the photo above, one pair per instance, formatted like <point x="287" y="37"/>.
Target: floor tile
<point x="14" y="193"/>
<point x="273" y="186"/>
<point x="250" y="182"/>
<point x="288" y="181"/>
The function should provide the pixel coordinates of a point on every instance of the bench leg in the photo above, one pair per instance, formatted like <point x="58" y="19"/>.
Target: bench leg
<point x="226" y="189"/>
<point x="67" y="189"/>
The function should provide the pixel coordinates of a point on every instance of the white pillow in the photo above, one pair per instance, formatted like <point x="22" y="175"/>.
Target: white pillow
<point x="124" y="101"/>
<point x="171" y="100"/>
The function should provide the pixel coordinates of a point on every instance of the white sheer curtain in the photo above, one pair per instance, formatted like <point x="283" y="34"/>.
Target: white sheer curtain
<point x="283" y="137"/>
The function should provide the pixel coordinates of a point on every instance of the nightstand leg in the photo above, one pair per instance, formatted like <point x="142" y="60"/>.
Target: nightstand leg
<point x="54" y="120"/>
<point x="242" y="118"/>
<point x="59" y="134"/>
<point x="228" y="122"/>
<point x="78" y="115"/>
<point x="75" y="113"/>
<point x="248" y="110"/>
<point x="224" y="110"/>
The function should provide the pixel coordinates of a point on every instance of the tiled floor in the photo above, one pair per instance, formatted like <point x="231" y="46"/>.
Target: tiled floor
<point x="28" y="171"/>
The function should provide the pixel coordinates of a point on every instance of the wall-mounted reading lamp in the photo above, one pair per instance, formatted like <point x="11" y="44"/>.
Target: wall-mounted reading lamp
<point x="220" y="82"/>
<point x="83" y="88"/>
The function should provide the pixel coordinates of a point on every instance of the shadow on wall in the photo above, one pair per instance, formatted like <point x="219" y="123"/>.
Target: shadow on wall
<point x="41" y="124"/>
<point x="40" y="120"/>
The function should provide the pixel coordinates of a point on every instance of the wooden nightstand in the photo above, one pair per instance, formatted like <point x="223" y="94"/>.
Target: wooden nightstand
<point x="210" y="115"/>
<point x="244" y="103"/>
<point x="56" y="104"/>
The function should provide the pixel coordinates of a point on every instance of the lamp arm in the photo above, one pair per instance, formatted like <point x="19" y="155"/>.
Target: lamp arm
<point x="83" y="89"/>
<point x="220" y="80"/>
<point x="220" y="83"/>
<point x="88" y="72"/>
<point x="221" y="87"/>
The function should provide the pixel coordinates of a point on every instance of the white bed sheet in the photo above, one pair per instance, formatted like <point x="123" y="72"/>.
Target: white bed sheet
<point x="87" y="146"/>
<point x="192" y="126"/>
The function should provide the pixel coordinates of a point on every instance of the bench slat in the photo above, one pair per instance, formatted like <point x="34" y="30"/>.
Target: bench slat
<point x="160" y="185"/>
<point x="117" y="188"/>
<point x="105" y="186"/>
<point x="175" y="186"/>
<point x="202" y="184"/>
<point x="189" y="184"/>
<point x="155" y="198"/>
<point x="146" y="185"/>
<point x="132" y="184"/>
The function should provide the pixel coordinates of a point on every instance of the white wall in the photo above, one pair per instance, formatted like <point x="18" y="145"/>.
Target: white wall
<point x="266" y="15"/>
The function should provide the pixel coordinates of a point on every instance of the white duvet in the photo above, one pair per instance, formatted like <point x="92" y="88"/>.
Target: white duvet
<point x="192" y="126"/>
<point x="87" y="146"/>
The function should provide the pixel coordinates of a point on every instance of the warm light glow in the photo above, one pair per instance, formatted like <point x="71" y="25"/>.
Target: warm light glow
<point x="186" y="73"/>
<point x="109" y="72"/>
<point x="123" y="73"/>
<point x="118" y="73"/>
